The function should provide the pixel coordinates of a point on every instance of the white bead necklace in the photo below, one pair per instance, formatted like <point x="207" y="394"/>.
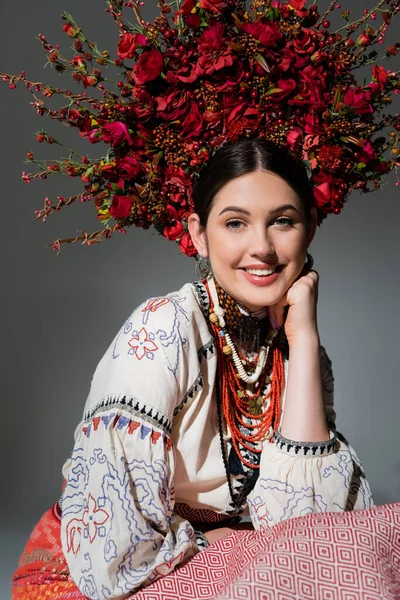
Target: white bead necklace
<point x="219" y="313"/>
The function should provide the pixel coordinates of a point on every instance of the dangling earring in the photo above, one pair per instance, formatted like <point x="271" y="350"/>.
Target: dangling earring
<point x="309" y="263"/>
<point x="203" y="267"/>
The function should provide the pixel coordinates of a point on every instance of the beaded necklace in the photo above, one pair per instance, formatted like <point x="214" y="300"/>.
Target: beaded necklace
<point x="245" y="410"/>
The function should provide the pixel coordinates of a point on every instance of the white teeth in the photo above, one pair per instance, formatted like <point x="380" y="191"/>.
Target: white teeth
<point x="260" y="272"/>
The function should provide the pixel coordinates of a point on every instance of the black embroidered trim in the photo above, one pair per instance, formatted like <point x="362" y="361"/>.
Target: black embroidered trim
<point x="197" y="385"/>
<point x="202" y="297"/>
<point x="206" y="351"/>
<point x="201" y="540"/>
<point x="306" y="448"/>
<point x="133" y="406"/>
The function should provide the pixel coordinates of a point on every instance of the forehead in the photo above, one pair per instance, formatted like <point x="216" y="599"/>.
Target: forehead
<point x="257" y="190"/>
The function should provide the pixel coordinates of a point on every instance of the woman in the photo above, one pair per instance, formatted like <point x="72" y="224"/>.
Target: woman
<point x="211" y="402"/>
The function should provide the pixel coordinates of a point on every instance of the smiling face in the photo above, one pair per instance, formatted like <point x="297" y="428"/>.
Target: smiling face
<point x="256" y="238"/>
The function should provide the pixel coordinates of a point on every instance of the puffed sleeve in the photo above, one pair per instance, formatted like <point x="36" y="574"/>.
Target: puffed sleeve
<point x="118" y="528"/>
<point x="298" y="478"/>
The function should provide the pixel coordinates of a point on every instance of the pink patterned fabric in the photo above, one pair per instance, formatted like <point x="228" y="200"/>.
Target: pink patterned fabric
<point x="331" y="556"/>
<point x="327" y="556"/>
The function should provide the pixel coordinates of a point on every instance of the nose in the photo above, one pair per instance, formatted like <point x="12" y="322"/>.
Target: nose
<point x="261" y="244"/>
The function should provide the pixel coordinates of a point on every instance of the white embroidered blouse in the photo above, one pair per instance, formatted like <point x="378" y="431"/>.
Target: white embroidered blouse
<point x="149" y="441"/>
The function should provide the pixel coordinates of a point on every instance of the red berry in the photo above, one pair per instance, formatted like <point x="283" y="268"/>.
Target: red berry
<point x="326" y="24"/>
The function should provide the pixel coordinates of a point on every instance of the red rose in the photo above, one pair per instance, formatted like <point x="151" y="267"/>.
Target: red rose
<point x="128" y="168"/>
<point x="323" y="194"/>
<point x="310" y="89"/>
<point x="145" y="105"/>
<point x="284" y="88"/>
<point x="128" y="44"/>
<point x="173" y="106"/>
<point x="303" y="47"/>
<point x="174" y="230"/>
<point x="213" y="5"/>
<point x="214" y="54"/>
<point x="193" y="123"/>
<point x="358" y="100"/>
<point x="187" y="246"/>
<point x="148" y="67"/>
<point x="116" y="133"/>
<point x="108" y="171"/>
<point x="266" y="33"/>
<point x="121" y="207"/>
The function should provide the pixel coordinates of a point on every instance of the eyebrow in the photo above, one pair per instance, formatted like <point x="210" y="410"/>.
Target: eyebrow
<point x="246" y="212"/>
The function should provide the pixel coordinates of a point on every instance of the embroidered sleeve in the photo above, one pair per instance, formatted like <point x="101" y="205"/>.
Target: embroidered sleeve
<point x="299" y="478"/>
<point x="119" y="531"/>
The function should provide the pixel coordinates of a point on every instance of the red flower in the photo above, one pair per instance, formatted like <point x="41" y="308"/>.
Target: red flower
<point x="174" y="230"/>
<point x="129" y="43"/>
<point x="193" y="123"/>
<point x="108" y="171"/>
<point x="367" y="153"/>
<point x="193" y="20"/>
<point x="213" y="51"/>
<point x="313" y="124"/>
<point x="148" y="67"/>
<point x="69" y="30"/>
<point x="144" y="105"/>
<point x="358" y="100"/>
<point x="89" y="81"/>
<point x="380" y="75"/>
<point x="121" y="207"/>
<point x="364" y="39"/>
<point x="79" y="62"/>
<point x="187" y="7"/>
<point x="323" y="192"/>
<point x="173" y="106"/>
<point x="187" y="246"/>
<point x="128" y="168"/>
<point x="284" y="88"/>
<point x="266" y="33"/>
<point x="311" y="86"/>
<point x="297" y="4"/>
<point x="213" y="5"/>
<point x="304" y="45"/>
<point x="243" y="118"/>
<point x="179" y="187"/>
<point x="294" y="138"/>
<point x="116" y="133"/>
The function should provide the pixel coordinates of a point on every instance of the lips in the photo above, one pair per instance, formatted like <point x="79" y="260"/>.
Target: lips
<point x="262" y="280"/>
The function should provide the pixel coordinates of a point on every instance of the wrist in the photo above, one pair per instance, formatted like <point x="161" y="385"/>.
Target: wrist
<point x="309" y="336"/>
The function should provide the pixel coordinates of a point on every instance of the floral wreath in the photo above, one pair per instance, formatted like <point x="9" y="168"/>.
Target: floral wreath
<point x="208" y="72"/>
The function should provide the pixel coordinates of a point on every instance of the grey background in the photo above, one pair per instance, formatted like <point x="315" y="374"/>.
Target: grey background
<point x="60" y="314"/>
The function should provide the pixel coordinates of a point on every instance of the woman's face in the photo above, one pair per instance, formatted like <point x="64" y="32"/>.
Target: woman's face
<point x="256" y="238"/>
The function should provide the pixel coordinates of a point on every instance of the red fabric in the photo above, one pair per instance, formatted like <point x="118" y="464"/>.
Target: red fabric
<point x="331" y="556"/>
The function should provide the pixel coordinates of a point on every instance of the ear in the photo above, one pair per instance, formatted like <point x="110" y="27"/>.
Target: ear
<point x="198" y="235"/>
<point x="312" y="227"/>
